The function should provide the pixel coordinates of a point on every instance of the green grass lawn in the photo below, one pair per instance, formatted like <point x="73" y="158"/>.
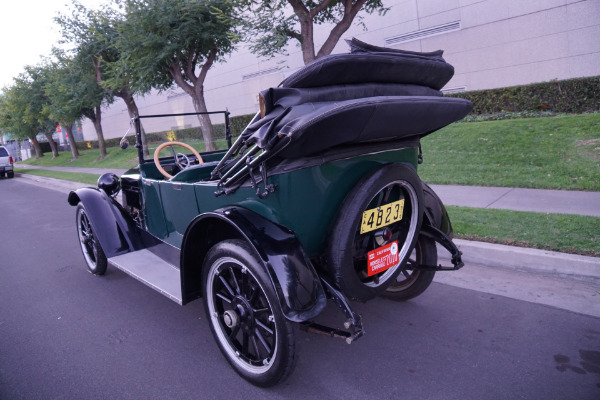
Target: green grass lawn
<point x="549" y="153"/>
<point x="115" y="158"/>
<point x="546" y="153"/>
<point x="90" y="179"/>
<point x="558" y="232"/>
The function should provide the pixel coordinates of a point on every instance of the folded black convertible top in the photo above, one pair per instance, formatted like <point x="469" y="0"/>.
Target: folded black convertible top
<point x="369" y="95"/>
<point x="367" y="63"/>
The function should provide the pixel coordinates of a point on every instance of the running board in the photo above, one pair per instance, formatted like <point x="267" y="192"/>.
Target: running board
<point x="151" y="270"/>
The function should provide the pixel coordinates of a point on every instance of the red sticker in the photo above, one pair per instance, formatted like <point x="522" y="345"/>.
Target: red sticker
<point x="383" y="258"/>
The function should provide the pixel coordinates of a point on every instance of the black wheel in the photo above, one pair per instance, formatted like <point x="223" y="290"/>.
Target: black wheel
<point x="90" y="246"/>
<point x="383" y="212"/>
<point x="410" y="283"/>
<point x="1" y="174"/>
<point x="10" y="174"/>
<point x="245" y="317"/>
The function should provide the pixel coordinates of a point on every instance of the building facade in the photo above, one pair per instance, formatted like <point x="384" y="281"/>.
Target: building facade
<point x="490" y="43"/>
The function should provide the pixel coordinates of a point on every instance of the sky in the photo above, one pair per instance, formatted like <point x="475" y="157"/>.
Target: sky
<point x="28" y="31"/>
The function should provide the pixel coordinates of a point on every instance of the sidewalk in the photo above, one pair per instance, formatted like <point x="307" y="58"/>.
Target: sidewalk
<point x="518" y="199"/>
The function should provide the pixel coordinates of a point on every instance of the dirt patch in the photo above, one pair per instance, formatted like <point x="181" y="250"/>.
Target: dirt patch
<point x="588" y="142"/>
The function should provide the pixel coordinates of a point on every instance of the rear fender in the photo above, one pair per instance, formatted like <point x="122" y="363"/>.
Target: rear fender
<point x="112" y="226"/>
<point x="435" y="211"/>
<point x="293" y="276"/>
<point x="437" y="226"/>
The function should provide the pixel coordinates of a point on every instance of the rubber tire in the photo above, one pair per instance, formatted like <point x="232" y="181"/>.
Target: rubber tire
<point x="339" y="255"/>
<point x="97" y="266"/>
<point x="284" y="358"/>
<point x="425" y="254"/>
<point x="10" y="174"/>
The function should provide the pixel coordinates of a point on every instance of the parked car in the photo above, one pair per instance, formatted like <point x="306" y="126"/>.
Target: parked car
<point x="318" y="199"/>
<point x="6" y="163"/>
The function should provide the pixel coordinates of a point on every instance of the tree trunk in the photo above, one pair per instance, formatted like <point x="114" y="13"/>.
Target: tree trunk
<point x="69" y="130"/>
<point x="36" y="147"/>
<point x="205" y="123"/>
<point x="308" y="44"/>
<point x="52" y="144"/>
<point x="134" y="112"/>
<point x="97" y="121"/>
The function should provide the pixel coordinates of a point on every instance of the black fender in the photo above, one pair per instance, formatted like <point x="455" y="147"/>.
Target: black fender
<point x="294" y="278"/>
<point x="436" y="225"/>
<point x="113" y="227"/>
<point x="435" y="211"/>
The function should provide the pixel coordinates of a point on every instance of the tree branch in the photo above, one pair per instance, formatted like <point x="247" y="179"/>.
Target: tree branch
<point x="207" y="64"/>
<point x="293" y="35"/>
<point x="338" y="30"/>
<point x="299" y="8"/>
<point x="190" y="67"/>
<point x="323" y="5"/>
<point x="175" y="71"/>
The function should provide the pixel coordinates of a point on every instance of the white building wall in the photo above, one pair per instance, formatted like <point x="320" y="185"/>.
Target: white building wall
<point x="499" y="43"/>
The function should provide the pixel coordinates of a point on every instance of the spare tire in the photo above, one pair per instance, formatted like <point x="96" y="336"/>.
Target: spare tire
<point x="382" y="212"/>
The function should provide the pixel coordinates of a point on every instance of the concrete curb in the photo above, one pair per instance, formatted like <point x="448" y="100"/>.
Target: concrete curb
<point x="532" y="260"/>
<point x="51" y="183"/>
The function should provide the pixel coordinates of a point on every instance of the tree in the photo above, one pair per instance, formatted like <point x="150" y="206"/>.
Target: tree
<point x="15" y="113"/>
<point x="74" y="93"/>
<point x="26" y="102"/>
<point x="73" y="84"/>
<point x="64" y="105"/>
<point x="167" y="42"/>
<point x="94" y="35"/>
<point x="31" y="85"/>
<point x="270" y="24"/>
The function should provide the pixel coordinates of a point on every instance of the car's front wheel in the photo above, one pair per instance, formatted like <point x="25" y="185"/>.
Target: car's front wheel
<point x="90" y="246"/>
<point x="245" y="316"/>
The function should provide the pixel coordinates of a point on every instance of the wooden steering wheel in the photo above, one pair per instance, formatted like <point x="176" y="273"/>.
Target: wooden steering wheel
<point x="163" y="145"/>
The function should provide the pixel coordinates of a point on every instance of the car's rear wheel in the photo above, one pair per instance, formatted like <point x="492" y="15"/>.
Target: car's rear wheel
<point x="412" y="282"/>
<point x="375" y="231"/>
<point x="90" y="246"/>
<point x="10" y="174"/>
<point x="245" y="316"/>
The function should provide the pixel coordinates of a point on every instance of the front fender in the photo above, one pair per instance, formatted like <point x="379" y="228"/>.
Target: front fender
<point x="115" y="230"/>
<point x="294" y="278"/>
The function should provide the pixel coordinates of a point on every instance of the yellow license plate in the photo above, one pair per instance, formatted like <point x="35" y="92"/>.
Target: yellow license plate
<point x="387" y="214"/>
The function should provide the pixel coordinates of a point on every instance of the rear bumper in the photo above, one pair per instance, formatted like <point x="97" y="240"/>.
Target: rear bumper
<point x="4" y="168"/>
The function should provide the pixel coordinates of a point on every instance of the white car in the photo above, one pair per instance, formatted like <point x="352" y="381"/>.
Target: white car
<point x="6" y="163"/>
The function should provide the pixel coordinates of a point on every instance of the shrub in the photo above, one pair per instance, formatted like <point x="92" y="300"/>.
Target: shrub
<point x="567" y="96"/>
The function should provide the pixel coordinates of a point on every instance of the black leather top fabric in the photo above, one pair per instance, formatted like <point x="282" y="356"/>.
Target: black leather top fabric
<point x="370" y="95"/>
<point x="356" y="46"/>
<point x="311" y="128"/>
<point x="287" y="97"/>
<point x="351" y="68"/>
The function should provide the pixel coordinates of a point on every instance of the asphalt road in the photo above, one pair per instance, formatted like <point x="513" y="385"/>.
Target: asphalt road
<point x="65" y="334"/>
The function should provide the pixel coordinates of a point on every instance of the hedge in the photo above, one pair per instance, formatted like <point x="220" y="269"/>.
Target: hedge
<point x="579" y="95"/>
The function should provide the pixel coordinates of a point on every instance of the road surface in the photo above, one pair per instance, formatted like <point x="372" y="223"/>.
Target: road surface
<point x="66" y="334"/>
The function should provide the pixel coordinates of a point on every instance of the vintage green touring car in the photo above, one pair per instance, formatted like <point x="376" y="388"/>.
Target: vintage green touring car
<point x="318" y="199"/>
